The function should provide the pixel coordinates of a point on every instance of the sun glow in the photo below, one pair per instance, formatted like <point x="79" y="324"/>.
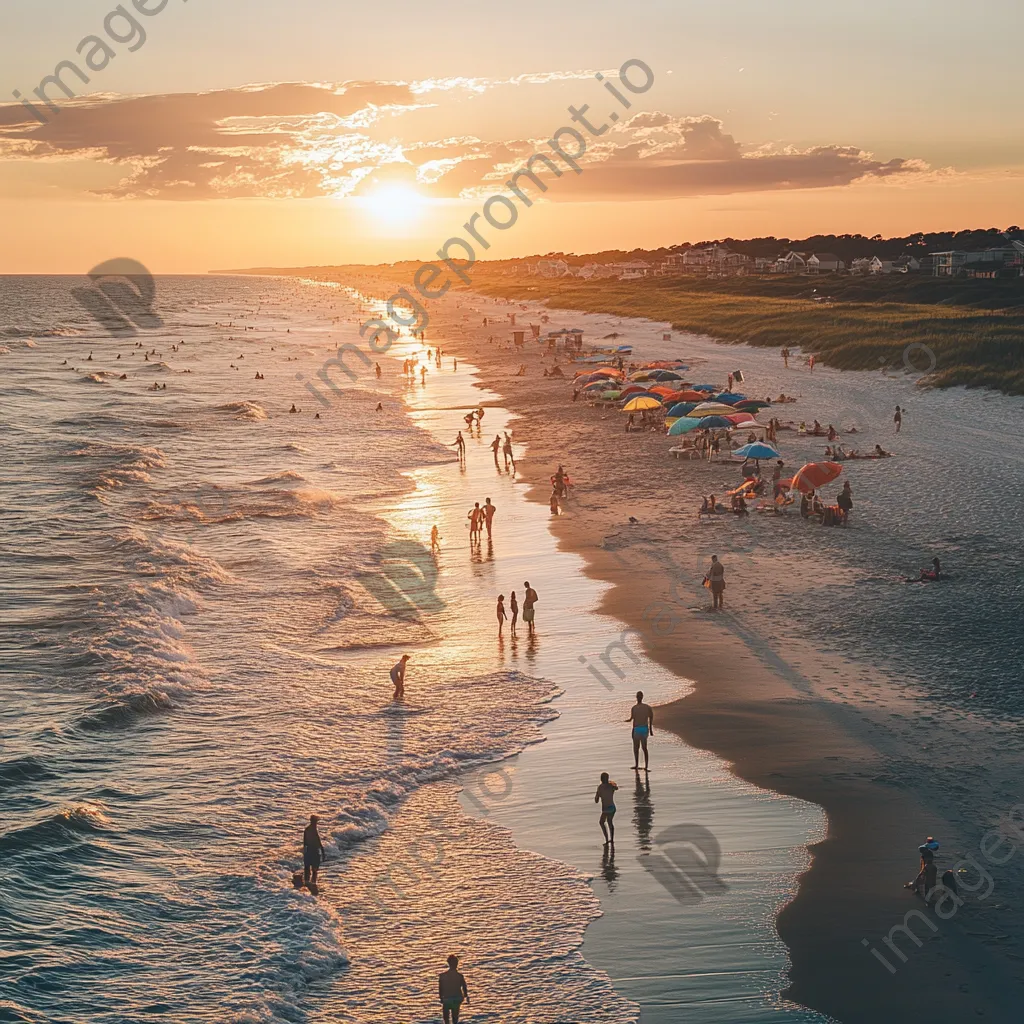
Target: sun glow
<point x="397" y="207"/>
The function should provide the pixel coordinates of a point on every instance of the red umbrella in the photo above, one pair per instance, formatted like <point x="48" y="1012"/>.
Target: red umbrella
<point x="691" y="396"/>
<point x="814" y="475"/>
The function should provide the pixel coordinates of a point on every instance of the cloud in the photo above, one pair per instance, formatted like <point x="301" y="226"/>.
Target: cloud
<point x="295" y="140"/>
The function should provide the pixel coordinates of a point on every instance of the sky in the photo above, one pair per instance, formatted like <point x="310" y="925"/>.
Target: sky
<point x="235" y="133"/>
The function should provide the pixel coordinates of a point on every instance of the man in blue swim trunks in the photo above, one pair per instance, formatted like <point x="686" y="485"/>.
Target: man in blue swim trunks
<point x="451" y="988"/>
<point x="606" y="796"/>
<point x="642" y="717"/>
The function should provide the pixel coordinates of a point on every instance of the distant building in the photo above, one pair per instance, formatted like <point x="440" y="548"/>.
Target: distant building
<point x="791" y="263"/>
<point x="631" y="270"/>
<point x="552" y="268"/>
<point x="824" y="263"/>
<point x="1000" y="261"/>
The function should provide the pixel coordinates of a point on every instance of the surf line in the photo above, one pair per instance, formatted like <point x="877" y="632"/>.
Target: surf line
<point x="426" y="276"/>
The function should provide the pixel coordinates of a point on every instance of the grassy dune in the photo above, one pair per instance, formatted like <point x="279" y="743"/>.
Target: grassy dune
<point x="965" y="345"/>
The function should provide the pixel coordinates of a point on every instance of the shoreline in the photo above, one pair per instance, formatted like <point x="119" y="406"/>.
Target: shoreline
<point x="761" y="724"/>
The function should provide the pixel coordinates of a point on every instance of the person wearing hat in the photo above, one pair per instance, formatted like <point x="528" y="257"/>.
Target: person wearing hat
<point x="312" y="851"/>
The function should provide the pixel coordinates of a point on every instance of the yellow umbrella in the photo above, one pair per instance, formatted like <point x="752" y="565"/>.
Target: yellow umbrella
<point x="641" y="402"/>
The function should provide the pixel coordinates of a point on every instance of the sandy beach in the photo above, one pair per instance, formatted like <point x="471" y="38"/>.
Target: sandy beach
<point x="774" y="718"/>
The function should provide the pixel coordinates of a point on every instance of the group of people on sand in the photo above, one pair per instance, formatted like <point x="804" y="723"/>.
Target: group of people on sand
<point x="480" y="518"/>
<point x="837" y="453"/>
<point x="927" y="882"/>
<point x="474" y="418"/>
<point x="529" y="613"/>
<point x="560" y="484"/>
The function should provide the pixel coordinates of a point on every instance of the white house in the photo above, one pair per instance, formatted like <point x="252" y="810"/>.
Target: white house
<point x="552" y="268"/>
<point x="791" y="263"/>
<point x="824" y="263"/>
<point x="632" y="269"/>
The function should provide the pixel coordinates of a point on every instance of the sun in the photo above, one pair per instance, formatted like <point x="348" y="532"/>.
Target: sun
<point x="394" y="206"/>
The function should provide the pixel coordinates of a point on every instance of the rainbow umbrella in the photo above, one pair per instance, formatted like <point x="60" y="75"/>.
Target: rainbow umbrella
<point x="710" y="409"/>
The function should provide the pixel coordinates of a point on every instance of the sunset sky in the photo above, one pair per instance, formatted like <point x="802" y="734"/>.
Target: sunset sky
<point x="265" y="132"/>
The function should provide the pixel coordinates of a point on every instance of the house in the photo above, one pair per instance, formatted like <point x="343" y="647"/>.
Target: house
<point x="552" y="268"/>
<point x="1000" y="261"/>
<point x="824" y="263"/>
<point x="870" y="265"/>
<point x="906" y="265"/>
<point x="791" y="263"/>
<point x="632" y="270"/>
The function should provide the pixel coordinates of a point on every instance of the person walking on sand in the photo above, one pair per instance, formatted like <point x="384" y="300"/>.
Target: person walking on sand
<point x="605" y="795"/>
<point x="452" y="990"/>
<point x="642" y="717"/>
<point x="488" y="511"/>
<point x="496" y="447"/>
<point x="455" y="365"/>
<point x="501" y="612"/>
<point x="785" y="358"/>
<point x="507" y="449"/>
<point x="377" y="370"/>
<point x="513" y="607"/>
<point x="898" y="419"/>
<point x="529" y="600"/>
<point x="312" y="851"/>
<point x="716" y="581"/>
<point x="460" y="445"/>
<point x="398" y="676"/>
<point x="435" y="540"/>
<point x="810" y="362"/>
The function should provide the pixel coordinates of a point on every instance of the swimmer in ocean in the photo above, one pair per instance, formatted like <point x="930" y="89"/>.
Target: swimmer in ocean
<point x="605" y="795"/>
<point x="642" y="717"/>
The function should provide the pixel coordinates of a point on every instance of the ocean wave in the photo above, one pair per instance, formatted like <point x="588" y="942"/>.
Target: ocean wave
<point x="252" y="411"/>
<point x="17" y="331"/>
<point x="22" y="771"/>
<point x="288" y="476"/>
<point x="61" y="829"/>
<point x="291" y="446"/>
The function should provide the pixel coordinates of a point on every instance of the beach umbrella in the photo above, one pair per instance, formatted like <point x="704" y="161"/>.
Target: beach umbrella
<point x="757" y="450"/>
<point x="729" y="398"/>
<point x="634" y="389"/>
<point x="689" y="395"/>
<point x="661" y="389"/>
<point x="710" y="409"/>
<point x="742" y="419"/>
<point x="682" y="426"/>
<point x="673" y="396"/>
<point x="714" y="423"/>
<point x="682" y="409"/>
<point x="814" y="475"/>
<point x="752" y="405"/>
<point x="704" y="387"/>
<point x="610" y="396"/>
<point x="641" y="402"/>
<point x="668" y="375"/>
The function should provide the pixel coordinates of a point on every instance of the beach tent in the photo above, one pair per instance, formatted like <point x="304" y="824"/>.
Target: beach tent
<point x="814" y="475"/>
<point x="640" y="403"/>
<point x="682" y="426"/>
<point x="757" y="450"/>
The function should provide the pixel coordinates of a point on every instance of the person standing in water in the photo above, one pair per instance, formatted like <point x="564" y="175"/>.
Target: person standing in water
<point x="513" y="607"/>
<point x="529" y="600"/>
<point x="898" y="419"/>
<point x="501" y="612"/>
<point x="398" y="676"/>
<point x="488" y="511"/>
<point x="496" y="447"/>
<point x="605" y="795"/>
<point x="435" y="540"/>
<point x="475" y="516"/>
<point x="377" y="370"/>
<point x="642" y="717"/>
<point x="312" y="851"/>
<point x="452" y="990"/>
<point x="460" y="445"/>
<point x="507" y="449"/>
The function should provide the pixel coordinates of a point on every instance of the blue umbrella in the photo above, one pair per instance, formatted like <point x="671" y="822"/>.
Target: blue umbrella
<point x="683" y="426"/>
<point x="682" y="408"/>
<point x="757" y="450"/>
<point x="729" y="398"/>
<point x="703" y="387"/>
<point x="714" y="423"/>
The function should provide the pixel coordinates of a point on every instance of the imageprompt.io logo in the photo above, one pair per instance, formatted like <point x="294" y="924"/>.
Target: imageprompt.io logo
<point x="685" y="859"/>
<point x="405" y="579"/>
<point x="120" y="296"/>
